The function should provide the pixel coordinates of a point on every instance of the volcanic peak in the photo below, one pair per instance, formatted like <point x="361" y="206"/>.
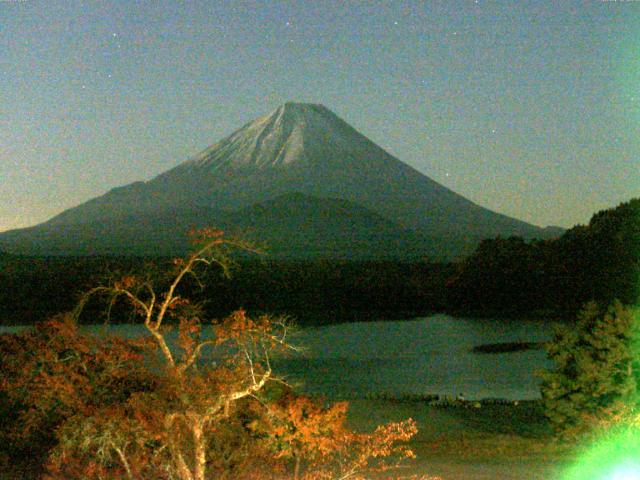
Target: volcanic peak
<point x="294" y="133"/>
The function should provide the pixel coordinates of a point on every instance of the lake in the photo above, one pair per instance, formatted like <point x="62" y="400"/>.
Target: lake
<point x="429" y="355"/>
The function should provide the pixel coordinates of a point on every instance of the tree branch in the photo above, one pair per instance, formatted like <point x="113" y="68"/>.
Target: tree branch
<point x="194" y="355"/>
<point x="124" y="461"/>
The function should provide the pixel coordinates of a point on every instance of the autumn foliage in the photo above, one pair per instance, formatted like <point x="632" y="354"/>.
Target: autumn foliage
<point x="321" y="446"/>
<point x="199" y="403"/>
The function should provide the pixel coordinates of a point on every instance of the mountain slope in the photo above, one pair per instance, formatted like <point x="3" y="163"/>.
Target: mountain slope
<point x="301" y="226"/>
<point x="297" y="148"/>
<point x="291" y="226"/>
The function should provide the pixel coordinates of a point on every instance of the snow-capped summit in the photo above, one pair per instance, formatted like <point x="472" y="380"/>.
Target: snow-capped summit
<point x="294" y="133"/>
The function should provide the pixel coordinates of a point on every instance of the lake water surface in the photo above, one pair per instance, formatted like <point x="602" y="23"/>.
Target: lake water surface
<point x="429" y="355"/>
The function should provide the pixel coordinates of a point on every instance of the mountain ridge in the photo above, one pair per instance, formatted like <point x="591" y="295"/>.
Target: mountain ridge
<point x="303" y="148"/>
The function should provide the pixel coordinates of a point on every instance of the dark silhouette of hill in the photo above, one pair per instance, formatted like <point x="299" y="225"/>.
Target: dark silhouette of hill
<point x="599" y="261"/>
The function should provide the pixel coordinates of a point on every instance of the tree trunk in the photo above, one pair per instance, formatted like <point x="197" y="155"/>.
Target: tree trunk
<point x="183" y="469"/>
<point x="296" y="471"/>
<point x="200" y="450"/>
<point x="124" y="461"/>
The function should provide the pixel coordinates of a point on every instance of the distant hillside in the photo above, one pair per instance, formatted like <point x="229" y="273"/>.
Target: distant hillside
<point x="301" y="226"/>
<point x="599" y="261"/>
<point x="290" y="226"/>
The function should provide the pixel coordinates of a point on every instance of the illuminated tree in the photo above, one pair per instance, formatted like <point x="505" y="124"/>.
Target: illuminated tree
<point x="321" y="446"/>
<point x="197" y="404"/>
<point x="164" y="432"/>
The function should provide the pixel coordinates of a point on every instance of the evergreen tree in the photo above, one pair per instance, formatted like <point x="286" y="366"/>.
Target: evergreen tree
<point x="596" y="371"/>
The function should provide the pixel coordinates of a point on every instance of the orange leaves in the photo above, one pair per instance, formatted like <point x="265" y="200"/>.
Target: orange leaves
<point x="204" y="235"/>
<point x="262" y="332"/>
<point x="115" y="426"/>
<point x="211" y="410"/>
<point x="125" y="283"/>
<point x="176" y="302"/>
<point x="304" y="428"/>
<point x="316" y="437"/>
<point x="188" y="336"/>
<point x="237" y="326"/>
<point x="128" y="281"/>
<point x="54" y="370"/>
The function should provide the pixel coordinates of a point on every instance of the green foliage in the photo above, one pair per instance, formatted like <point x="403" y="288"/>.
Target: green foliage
<point x="600" y="261"/>
<point x="502" y="276"/>
<point x="596" y="369"/>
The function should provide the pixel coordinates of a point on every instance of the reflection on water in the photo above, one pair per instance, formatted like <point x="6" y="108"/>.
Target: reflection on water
<point x="425" y="356"/>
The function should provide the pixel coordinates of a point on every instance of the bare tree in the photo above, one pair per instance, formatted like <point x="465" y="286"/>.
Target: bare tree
<point x="198" y="392"/>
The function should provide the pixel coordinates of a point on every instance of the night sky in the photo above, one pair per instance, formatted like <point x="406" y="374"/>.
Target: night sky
<point x="529" y="108"/>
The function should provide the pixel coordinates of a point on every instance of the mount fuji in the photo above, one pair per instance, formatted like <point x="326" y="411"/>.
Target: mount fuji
<point x="299" y="178"/>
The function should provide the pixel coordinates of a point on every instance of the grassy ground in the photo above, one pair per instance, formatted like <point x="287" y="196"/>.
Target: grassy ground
<point x="464" y="442"/>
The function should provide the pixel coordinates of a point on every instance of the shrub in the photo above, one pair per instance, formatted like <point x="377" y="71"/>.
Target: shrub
<point x="54" y="371"/>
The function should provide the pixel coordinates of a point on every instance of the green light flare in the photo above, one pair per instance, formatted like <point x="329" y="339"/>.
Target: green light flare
<point x="614" y="457"/>
<point x="626" y="472"/>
